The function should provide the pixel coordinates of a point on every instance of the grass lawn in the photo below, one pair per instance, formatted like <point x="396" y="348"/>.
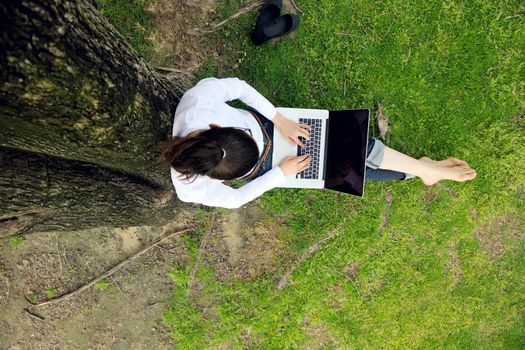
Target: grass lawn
<point x="410" y="267"/>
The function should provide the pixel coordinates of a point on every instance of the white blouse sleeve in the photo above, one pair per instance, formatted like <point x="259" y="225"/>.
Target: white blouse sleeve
<point x="214" y="193"/>
<point x="229" y="89"/>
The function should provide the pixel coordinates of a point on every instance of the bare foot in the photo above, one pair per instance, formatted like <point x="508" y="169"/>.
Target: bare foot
<point x="448" y="169"/>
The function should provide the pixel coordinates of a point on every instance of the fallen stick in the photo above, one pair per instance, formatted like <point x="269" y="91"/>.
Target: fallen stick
<point x="33" y="315"/>
<point x="312" y="249"/>
<point x="215" y="26"/>
<point x="296" y="7"/>
<point x="109" y="272"/>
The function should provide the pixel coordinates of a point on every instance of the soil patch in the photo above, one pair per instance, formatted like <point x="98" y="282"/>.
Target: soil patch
<point x="122" y="313"/>
<point x="174" y="43"/>
<point x="352" y="269"/>
<point x="454" y="264"/>
<point x="320" y="334"/>
<point x="244" y="244"/>
<point x="497" y="236"/>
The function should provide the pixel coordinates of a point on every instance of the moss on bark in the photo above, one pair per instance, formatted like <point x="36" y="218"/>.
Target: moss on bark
<point x="72" y="87"/>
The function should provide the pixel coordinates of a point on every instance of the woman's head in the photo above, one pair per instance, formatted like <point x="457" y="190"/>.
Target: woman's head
<point x="221" y="153"/>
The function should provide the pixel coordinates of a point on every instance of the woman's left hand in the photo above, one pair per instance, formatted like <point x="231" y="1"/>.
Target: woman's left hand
<point x="291" y="130"/>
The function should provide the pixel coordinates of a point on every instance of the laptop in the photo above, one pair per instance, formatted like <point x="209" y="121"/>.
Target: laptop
<point x="338" y="142"/>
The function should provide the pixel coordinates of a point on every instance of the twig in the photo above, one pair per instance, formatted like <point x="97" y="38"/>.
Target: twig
<point x="109" y="272"/>
<point x="153" y="304"/>
<point x="278" y="88"/>
<point x="79" y="266"/>
<point x="312" y="249"/>
<point x="386" y="33"/>
<point x="213" y="27"/>
<point x="193" y="273"/>
<point x="118" y="285"/>
<point x="366" y="32"/>
<point x="294" y="5"/>
<point x="173" y="70"/>
<point x="34" y="315"/>
<point x="345" y="276"/>
<point x="165" y="249"/>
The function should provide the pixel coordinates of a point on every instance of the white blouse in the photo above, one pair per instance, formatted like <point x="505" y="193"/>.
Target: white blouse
<point x="205" y="104"/>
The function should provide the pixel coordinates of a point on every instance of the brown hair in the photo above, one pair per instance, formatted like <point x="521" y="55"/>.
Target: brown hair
<point x="202" y="153"/>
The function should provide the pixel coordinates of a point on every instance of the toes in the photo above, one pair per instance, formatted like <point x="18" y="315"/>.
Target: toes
<point x="468" y="176"/>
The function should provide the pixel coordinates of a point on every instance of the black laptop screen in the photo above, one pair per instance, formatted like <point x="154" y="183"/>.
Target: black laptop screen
<point x="346" y="151"/>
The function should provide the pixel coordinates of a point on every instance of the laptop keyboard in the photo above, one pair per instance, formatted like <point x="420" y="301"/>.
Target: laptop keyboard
<point x="312" y="147"/>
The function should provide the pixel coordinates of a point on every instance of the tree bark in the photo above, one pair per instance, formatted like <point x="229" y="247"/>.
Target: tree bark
<point x="81" y="119"/>
<point x="46" y="193"/>
<point x="72" y="87"/>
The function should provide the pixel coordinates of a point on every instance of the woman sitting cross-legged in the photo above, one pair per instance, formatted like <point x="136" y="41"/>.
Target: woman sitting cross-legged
<point x="213" y="142"/>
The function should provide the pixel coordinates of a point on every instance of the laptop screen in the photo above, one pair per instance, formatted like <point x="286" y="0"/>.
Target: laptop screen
<point x="346" y="151"/>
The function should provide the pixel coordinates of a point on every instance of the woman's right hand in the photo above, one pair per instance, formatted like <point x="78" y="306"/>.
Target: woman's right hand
<point x="294" y="165"/>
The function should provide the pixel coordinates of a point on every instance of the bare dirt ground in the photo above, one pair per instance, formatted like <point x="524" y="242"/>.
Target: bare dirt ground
<point x="125" y="313"/>
<point x="244" y="244"/>
<point x="496" y="236"/>
<point x="176" y="44"/>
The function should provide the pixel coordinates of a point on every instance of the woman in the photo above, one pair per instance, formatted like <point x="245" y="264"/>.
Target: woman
<point x="214" y="142"/>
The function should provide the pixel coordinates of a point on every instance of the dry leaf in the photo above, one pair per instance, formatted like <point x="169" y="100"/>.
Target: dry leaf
<point x="382" y="122"/>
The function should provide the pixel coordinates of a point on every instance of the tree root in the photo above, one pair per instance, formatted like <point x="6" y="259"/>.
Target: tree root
<point x="109" y="272"/>
<point x="198" y="258"/>
<point x="311" y="250"/>
<point x="34" y="315"/>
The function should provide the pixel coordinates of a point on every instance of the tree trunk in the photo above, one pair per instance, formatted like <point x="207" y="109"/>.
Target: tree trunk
<point x="72" y="87"/>
<point x="81" y="119"/>
<point x="43" y="193"/>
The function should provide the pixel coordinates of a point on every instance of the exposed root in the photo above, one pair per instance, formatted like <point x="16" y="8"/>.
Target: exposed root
<point x="311" y="250"/>
<point x="109" y="272"/>
<point x="204" y="241"/>
<point x="34" y="315"/>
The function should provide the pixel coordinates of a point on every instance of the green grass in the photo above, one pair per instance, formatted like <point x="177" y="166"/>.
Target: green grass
<point x="104" y="285"/>
<point x="451" y="77"/>
<point x="51" y="292"/>
<point x="15" y="241"/>
<point x="132" y="20"/>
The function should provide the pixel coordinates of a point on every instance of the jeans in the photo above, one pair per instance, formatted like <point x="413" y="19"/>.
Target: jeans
<point x="374" y="157"/>
<point x="266" y="166"/>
